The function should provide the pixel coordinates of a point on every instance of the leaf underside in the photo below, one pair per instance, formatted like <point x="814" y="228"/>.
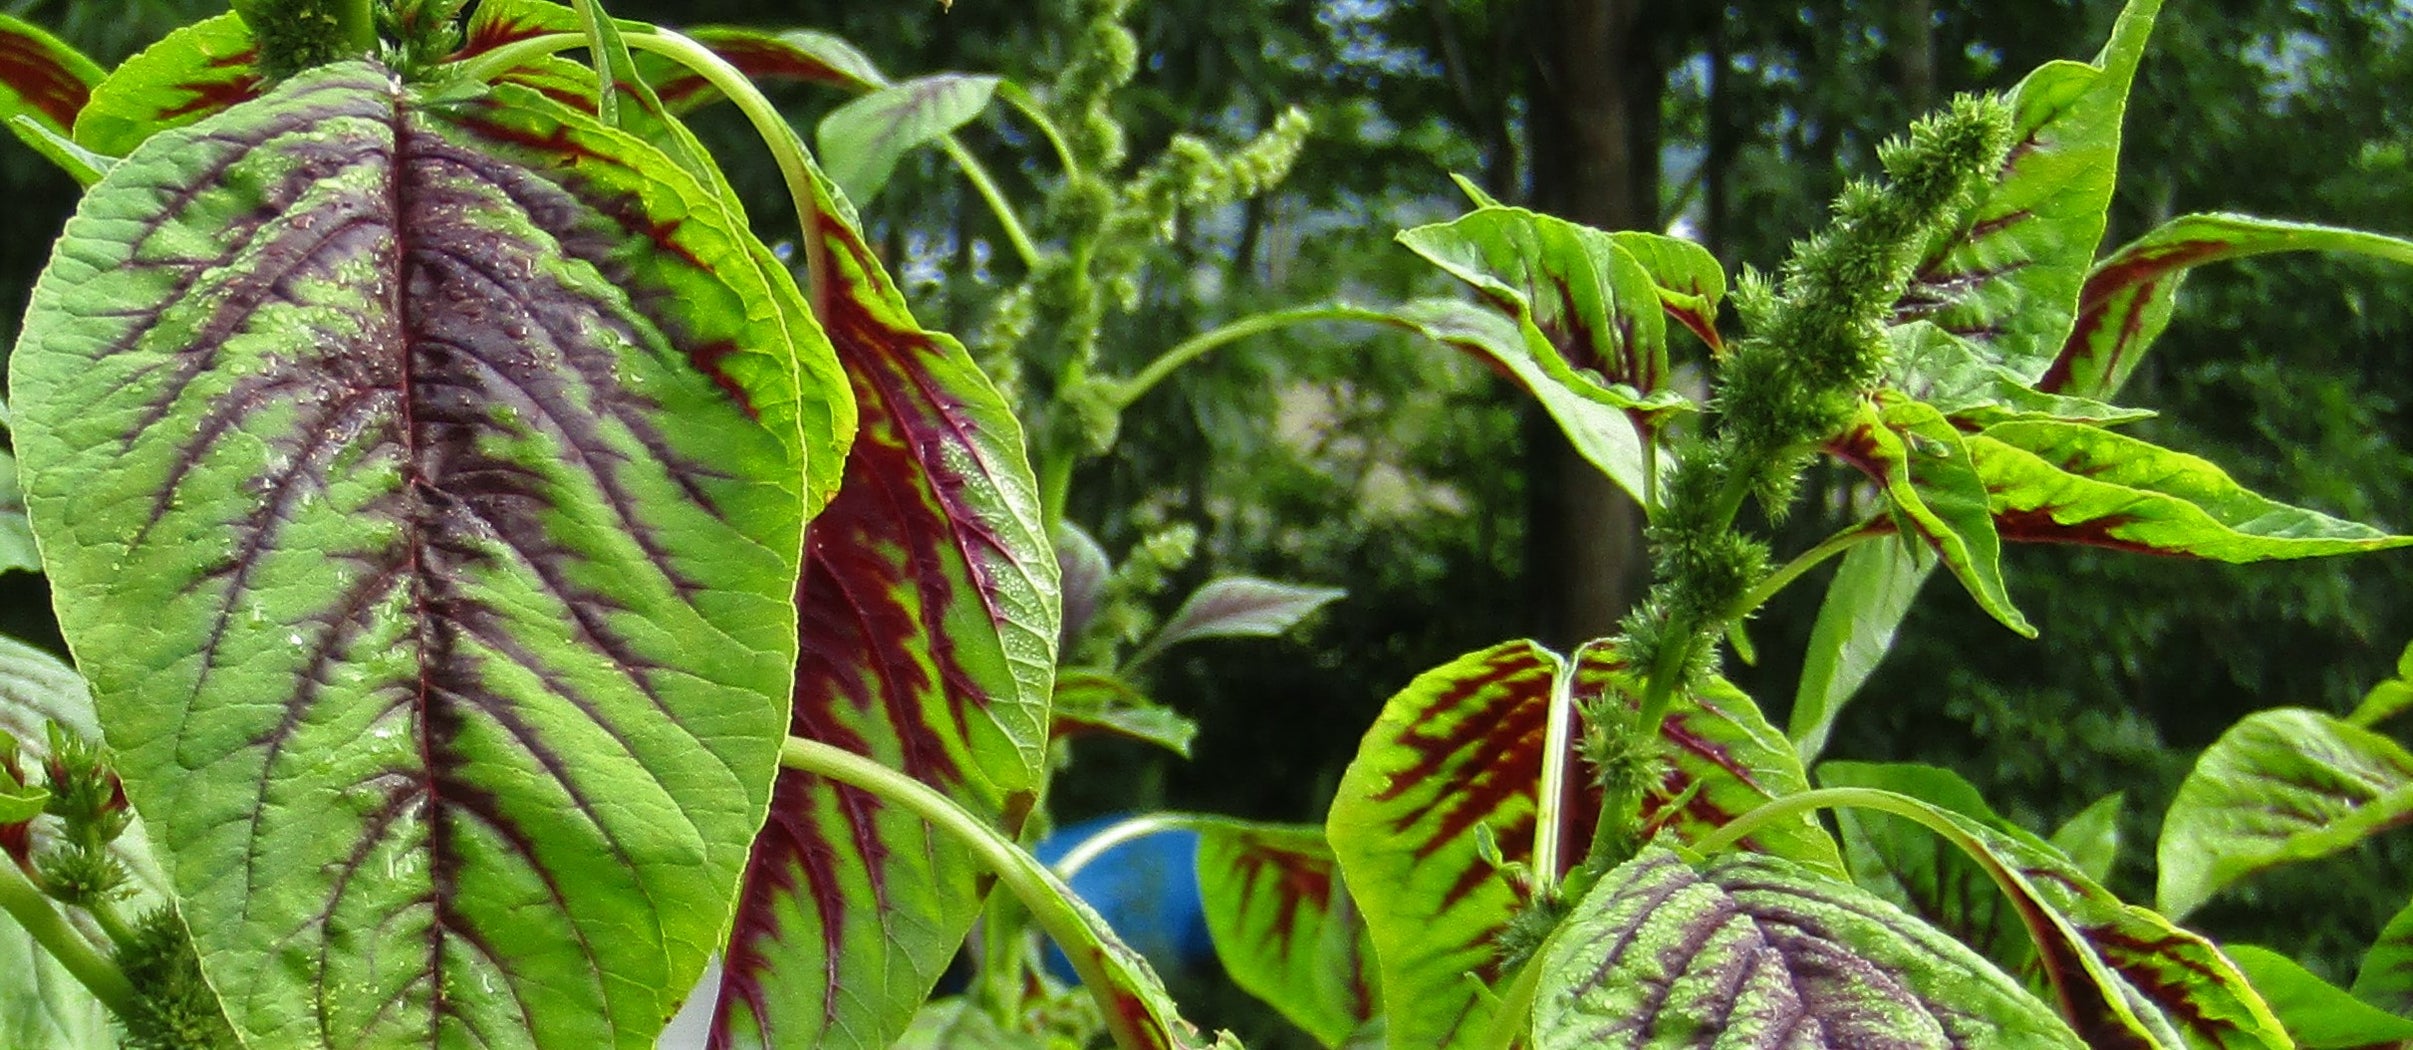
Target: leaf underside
<point x="445" y="667"/>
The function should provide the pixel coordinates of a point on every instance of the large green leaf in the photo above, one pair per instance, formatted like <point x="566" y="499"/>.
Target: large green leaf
<point x="929" y="617"/>
<point x="1284" y="926"/>
<point x="1925" y="465"/>
<point x="2008" y="277"/>
<point x="2054" y="482"/>
<point x="2129" y="296"/>
<point x="2318" y="1014"/>
<point x="194" y="72"/>
<point x="1446" y="782"/>
<point x="2386" y="974"/>
<point x="862" y="140"/>
<point x="429" y="519"/>
<point x="1924" y="873"/>
<point x="2281" y="785"/>
<point x="1864" y="606"/>
<point x="44" y="83"/>
<point x="1754" y="951"/>
<point x="1958" y="378"/>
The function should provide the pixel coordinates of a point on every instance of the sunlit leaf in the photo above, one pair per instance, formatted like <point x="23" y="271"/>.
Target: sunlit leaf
<point x="862" y="140"/>
<point x="2385" y="977"/>
<point x="194" y="72"/>
<point x="1924" y="873"/>
<point x="2056" y="482"/>
<point x="2008" y="277"/>
<point x="1095" y="703"/>
<point x="1864" y="606"/>
<point x="2281" y="785"/>
<point x="2091" y="840"/>
<point x="357" y="459"/>
<point x="1958" y="378"/>
<point x="805" y="55"/>
<point x="44" y="83"/>
<point x="2317" y="1014"/>
<point x="2129" y="296"/>
<point x="929" y="623"/>
<point x="2389" y="698"/>
<point x="1284" y="926"/>
<point x="1754" y="951"/>
<point x="1237" y="607"/>
<point x="1937" y="493"/>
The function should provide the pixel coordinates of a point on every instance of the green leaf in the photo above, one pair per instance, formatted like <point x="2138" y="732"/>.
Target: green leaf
<point x="1599" y="421"/>
<point x="1926" y="468"/>
<point x="1864" y="606"/>
<point x="2008" y="278"/>
<point x="861" y="141"/>
<point x="1690" y="281"/>
<point x="2389" y="698"/>
<point x="430" y="518"/>
<point x="1959" y="379"/>
<point x="1237" y="607"/>
<point x="1284" y="926"/>
<point x="2318" y="1014"/>
<point x="2281" y="785"/>
<point x="2385" y="977"/>
<point x="192" y="73"/>
<point x="929" y="619"/>
<point x="44" y="83"/>
<point x="16" y="534"/>
<point x="2122" y="975"/>
<point x="2129" y="296"/>
<point x="806" y="55"/>
<point x="2052" y="482"/>
<point x="1924" y="873"/>
<point x="1754" y="951"/>
<point x="1085" y="571"/>
<point x="2091" y="840"/>
<point x="958" y="1023"/>
<point x="1095" y="703"/>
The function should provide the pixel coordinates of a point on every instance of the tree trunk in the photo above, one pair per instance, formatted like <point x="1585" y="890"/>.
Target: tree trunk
<point x="1594" y="140"/>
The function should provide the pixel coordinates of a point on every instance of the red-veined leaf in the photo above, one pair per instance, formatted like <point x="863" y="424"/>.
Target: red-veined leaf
<point x="1754" y="951"/>
<point x="1237" y="607"/>
<point x="1284" y="925"/>
<point x="807" y="55"/>
<point x="2129" y="296"/>
<point x="1927" y="470"/>
<point x="2318" y="1015"/>
<point x="2122" y="975"/>
<point x="2281" y="785"/>
<point x="2053" y="482"/>
<point x="429" y="517"/>
<point x="2008" y="277"/>
<point x="44" y="83"/>
<point x="194" y="72"/>
<point x="929" y="623"/>
<point x="2385" y="976"/>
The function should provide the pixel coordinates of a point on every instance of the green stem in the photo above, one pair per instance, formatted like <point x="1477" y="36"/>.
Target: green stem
<point x="978" y="175"/>
<point x="1196" y="346"/>
<point x="787" y="150"/>
<point x="1115" y="976"/>
<point x="358" y="21"/>
<point x="25" y="902"/>
<point x="1769" y="585"/>
<point x="1015" y="96"/>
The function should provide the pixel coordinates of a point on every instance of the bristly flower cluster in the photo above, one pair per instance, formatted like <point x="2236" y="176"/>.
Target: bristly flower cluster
<point x="1817" y="345"/>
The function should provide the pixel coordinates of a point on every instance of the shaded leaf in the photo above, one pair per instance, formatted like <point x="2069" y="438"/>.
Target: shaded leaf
<point x="2129" y="296"/>
<point x="1926" y="468"/>
<point x="2317" y="1014"/>
<point x="1237" y="607"/>
<point x="1285" y="927"/>
<point x="1092" y="703"/>
<point x="371" y="426"/>
<point x="1084" y="570"/>
<point x="1690" y="281"/>
<point x="1958" y="378"/>
<point x="44" y="83"/>
<point x="16" y="534"/>
<point x="862" y="140"/>
<point x="1594" y="418"/>
<point x="2008" y="278"/>
<point x="197" y="71"/>
<point x="929" y="624"/>
<point x="2052" y="482"/>
<point x="1754" y="951"/>
<point x="2281" y="785"/>
<point x="2389" y="698"/>
<point x="2091" y="840"/>
<point x="1864" y="606"/>
<point x="2385" y="977"/>
<point x="957" y="1023"/>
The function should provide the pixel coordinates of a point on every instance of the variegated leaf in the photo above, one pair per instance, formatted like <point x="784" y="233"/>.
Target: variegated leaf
<point x="44" y="83"/>
<point x="192" y="73"/>
<point x="2281" y="785"/>
<point x="1285" y="927"/>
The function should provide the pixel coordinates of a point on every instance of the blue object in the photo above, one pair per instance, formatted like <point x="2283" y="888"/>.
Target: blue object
<point x="1146" y="889"/>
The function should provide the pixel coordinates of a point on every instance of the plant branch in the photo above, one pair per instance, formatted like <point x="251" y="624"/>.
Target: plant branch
<point x="1182" y="353"/>
<point x="1106" y="967"/>
<point x="978" y="175"/>
<point x="25" y="902"/>
<point x="1773" y="583"/>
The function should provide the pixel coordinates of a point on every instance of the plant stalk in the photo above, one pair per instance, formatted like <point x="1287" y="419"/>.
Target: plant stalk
<point x="1105" y="966"/>
<point x="1770" y="585"/>
<point x="1188" y="350"/>
<point x="978" y="175"/>
<point x="25" y="902"/>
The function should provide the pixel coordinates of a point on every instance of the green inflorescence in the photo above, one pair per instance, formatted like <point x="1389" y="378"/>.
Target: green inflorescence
<point x="174" y="1008"/>
<point x="295" y="35"/>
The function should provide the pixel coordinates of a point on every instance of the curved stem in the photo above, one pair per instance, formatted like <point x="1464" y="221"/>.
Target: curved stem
<point x="1774" y="582"/>
<point x="25" y="902"/>
<point x="1188" y="350"/>
<point x="1017" y="96"/>
<point x="1112" y="835"/>
<point x="1121" y="982"/>
<point x="978" y="175"/>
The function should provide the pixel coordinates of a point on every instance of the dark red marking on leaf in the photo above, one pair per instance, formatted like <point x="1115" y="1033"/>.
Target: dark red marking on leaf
<point x="211" y="96"/>
<point x="2131" y="282"/>
<point x="1507" y="741"/>
<point x="28" y="66"/>
<point x="485" y="34"/>
<point x="759" y="58"/>
<point x="2038" y="526"/>
<point x="1303" y="882"/>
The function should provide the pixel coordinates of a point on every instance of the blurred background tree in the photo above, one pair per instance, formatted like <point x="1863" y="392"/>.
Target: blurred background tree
<point x="1453" y="513"/>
